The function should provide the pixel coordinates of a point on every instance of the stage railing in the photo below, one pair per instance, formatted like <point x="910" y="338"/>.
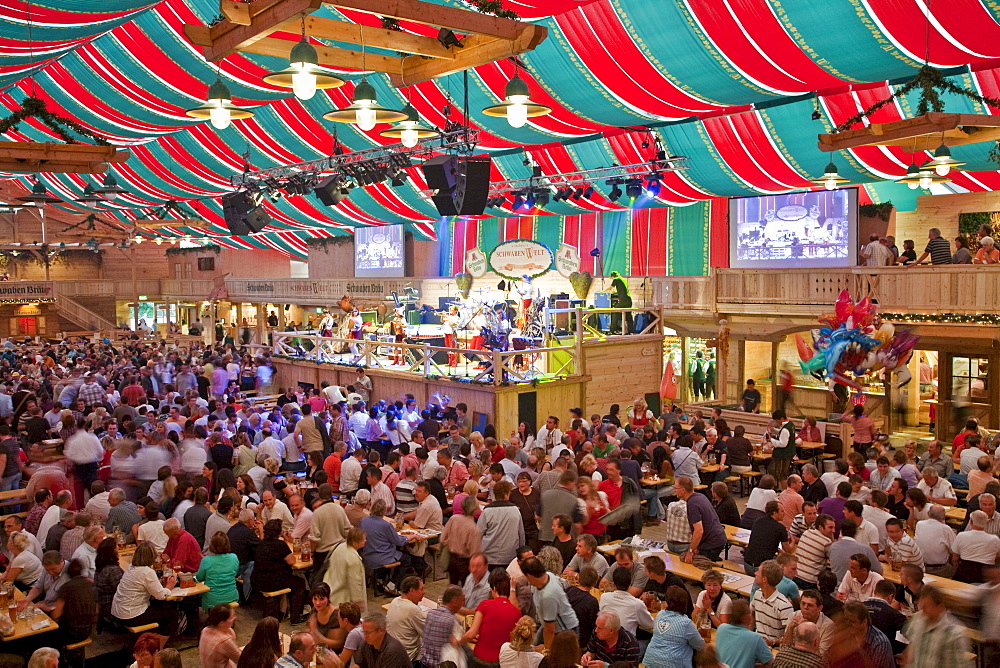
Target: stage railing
<point x="528" y="365"/>
<point x="600" y="323"/>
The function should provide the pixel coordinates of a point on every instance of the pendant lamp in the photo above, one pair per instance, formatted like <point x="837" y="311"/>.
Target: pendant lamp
<point x="517" y="106"/>
<point x="219" y="108"/>
<point x="410" y="131"/>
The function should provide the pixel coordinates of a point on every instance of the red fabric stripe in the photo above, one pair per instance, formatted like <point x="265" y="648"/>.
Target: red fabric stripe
<point x="967" y="21"/>
<point x="782" y="66"/>
<point x="603" y="45"/>
<point x="718" y="232"/>
<point x="739" y="144"/>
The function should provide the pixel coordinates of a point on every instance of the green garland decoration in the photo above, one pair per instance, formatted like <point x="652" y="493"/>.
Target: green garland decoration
<point x="931" y="82"/>
<point x="33" y="107"/>
<point x="207" y="248"/>
<point x="881" y="211"/>
<point x="945" y="318"/>
<point x="323" y="242"/>
<point x="494" y="7"/>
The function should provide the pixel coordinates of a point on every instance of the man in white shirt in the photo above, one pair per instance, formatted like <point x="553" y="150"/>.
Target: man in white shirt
<point x="867" y="532"/>
<point x="859" y="582"/>
<point x="630" y="610"/>
<point x="970" y="455"/>
<point x="98" y="506"/>
<point x="936" y="489"/>
<point x="833" y="478"/>
<point x="350" y="472"/>
<point x="270" y="446"/>
<point x="84" y="449"/>
<point x="272" y="509"/>
<point x="988" y="504"/>
<point x="934" y="538"/>
<point x="877" y="515"/>
<point x="62" y="501"/>
<point x="301" y="515"/>
<point x="359" y="421"/>
<point x="334" y="394"/>
<point x="405" y="618"/>
<point x="87" y="552"/>
<point x="974" y="549"/>
<point x="549" y="436"/>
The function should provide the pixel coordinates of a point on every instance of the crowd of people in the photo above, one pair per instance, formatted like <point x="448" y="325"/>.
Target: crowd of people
<point x="881" y="251"/>
<point x="331" y="493"/>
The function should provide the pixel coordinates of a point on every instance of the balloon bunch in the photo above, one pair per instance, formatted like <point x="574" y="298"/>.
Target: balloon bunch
<point x="853" y="342"/>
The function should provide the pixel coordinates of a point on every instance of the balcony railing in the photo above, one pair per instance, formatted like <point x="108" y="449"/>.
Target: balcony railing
<point x="921" y="289"/>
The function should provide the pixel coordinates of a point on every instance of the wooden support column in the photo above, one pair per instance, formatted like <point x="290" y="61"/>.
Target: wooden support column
<point x="684" y="387"/>
<point x="135" y="291"/>
<point x="774" y="373"/>
<point x="262" y="324"/>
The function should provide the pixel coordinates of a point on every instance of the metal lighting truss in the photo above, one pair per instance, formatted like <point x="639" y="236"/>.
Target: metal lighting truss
<point x="364" y="167"/>
<point x="641" y="171"/>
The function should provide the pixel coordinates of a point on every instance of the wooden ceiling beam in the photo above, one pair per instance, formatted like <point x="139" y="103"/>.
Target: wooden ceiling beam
<point x="329" y="56"/>
<point x="54" y="167"/>
<point x="478" y="50"/>
<point x="459" y="20"/>
<point x="376" y="38"/>
<point x="266" y="17"/>
<point x="922" y="130"/>
<point x="157" y="223"/>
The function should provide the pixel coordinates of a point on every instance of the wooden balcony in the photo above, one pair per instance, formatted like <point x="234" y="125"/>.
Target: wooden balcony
<point x="962" y="289"/>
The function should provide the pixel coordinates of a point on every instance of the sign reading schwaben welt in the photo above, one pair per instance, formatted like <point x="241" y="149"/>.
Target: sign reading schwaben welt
<point x="521" y="257"/>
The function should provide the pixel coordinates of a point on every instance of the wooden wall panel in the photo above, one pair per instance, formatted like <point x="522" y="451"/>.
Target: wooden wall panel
<point x="621" y="370"/>
<point x="940" y="211"/>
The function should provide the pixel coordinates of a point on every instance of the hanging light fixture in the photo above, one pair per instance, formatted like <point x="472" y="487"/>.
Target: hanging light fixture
<point x="219" y="108"/>
<point x="912" y="178"/>
<point x="942" y="162"/>
<point x="830" y="179"/>
<point x="364" y="110"/>
<point x="109" y="188"/>
<point x="409" y="130"/>
<point x="89" y="199"/>
<point x="39" y="195"/>
<point x="517" y="106"/>
<point x="303" y="75"/>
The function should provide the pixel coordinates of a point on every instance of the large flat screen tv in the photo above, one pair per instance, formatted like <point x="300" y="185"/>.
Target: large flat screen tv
<point x="808" y="229"/>
<point x="378" y="251"/>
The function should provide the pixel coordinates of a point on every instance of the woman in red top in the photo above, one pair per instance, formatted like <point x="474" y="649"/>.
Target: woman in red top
<point x="576" y="434"/>
<point x="810" y="432"/>
<point x="856" y="466"/>
<point x="597" y="507"/>
<point x="639" y="415"/>
<point x="495" y="619"/>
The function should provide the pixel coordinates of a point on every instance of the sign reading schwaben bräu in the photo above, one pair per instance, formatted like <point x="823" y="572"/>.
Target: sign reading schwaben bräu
<point x="317" y="291"/>
<point x="26" y="291"/>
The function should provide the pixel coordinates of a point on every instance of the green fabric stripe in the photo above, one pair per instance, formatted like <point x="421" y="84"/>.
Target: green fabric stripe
<point x="688" y="235"/>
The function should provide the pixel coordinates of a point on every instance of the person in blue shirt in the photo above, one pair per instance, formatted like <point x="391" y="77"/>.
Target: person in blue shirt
<point x="736" y="644"/>
<point x="675" y="638"/>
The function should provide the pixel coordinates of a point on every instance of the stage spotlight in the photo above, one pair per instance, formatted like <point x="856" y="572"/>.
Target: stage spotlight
<point x="518" y="201"/>
<point x="633" y="188"/>
<point x="615" y="193"/>
<point x="577" y="194"/>
<point x="397" y="180"/>
<point x="653" y="184"/>
<point x="589" y="192"/>
<point x="816" y="115"/>
<point x="529" y="201"/>
<point x="541" y="199"/>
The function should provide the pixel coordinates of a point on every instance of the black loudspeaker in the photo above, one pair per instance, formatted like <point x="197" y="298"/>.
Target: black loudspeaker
<point x="441" y="172"/>
<point x="462" y="184"/>
<point x="242" y="216"/>
<point x="328" y="191"/>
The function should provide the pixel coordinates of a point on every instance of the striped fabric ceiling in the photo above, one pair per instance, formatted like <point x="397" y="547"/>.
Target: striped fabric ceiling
<point x="731" y="84"/>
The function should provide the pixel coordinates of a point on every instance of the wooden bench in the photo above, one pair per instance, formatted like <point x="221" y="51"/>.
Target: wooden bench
<point x="750" y="478"/>
<point x="136" y="630"/>
<point x="15" y="498"/>
<point x="272" y="601"/>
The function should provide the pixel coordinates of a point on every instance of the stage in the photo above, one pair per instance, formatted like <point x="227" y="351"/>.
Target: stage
<point x="579" y="369"/>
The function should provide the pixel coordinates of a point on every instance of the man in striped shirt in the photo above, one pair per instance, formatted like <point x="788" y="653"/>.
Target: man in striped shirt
<point x="899" y="546"/>
<point x="803" y="521"/>
<point x="812" y="551"/>
<point x="771" y="610"/>
<point x="937" y="247"/>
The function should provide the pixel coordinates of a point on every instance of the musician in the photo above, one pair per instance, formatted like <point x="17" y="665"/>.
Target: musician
<point x="356" y="324"/>
<point x="398" y="329"/>
<point x="451" y="322"/>
<point x="527" y="292"/>
<point x="620" y="298"/>
<point x="502" y="326"/>
<point x="326" y="324"/>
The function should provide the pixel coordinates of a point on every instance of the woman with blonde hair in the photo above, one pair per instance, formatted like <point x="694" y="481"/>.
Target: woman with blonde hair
<point x="471" y="488"/>
<point x="246" y="456"/>
<point x="639" y="415"/>
<point x="25" y="568"/>
<point x="520" y="651"/>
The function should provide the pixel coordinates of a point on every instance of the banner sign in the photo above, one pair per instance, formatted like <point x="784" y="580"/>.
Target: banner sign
<point x="519" y="258"/>
<point x="475" y="262"/>
<point x="26" y="291"/>
<point x="567" y="260"/>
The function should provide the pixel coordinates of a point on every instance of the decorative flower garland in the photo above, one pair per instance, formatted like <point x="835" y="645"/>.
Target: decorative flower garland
<point x="945" y="318"/>
<point x="207" y="248"/>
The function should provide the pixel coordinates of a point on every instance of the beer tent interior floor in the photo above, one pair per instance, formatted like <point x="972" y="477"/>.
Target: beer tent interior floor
<point x="248" y="616"/>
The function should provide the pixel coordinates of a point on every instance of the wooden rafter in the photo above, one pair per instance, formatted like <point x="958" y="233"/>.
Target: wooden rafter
<point x="248" y="28"/>
<point x="920" y="133"/>
<point x="52" y="157"/>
